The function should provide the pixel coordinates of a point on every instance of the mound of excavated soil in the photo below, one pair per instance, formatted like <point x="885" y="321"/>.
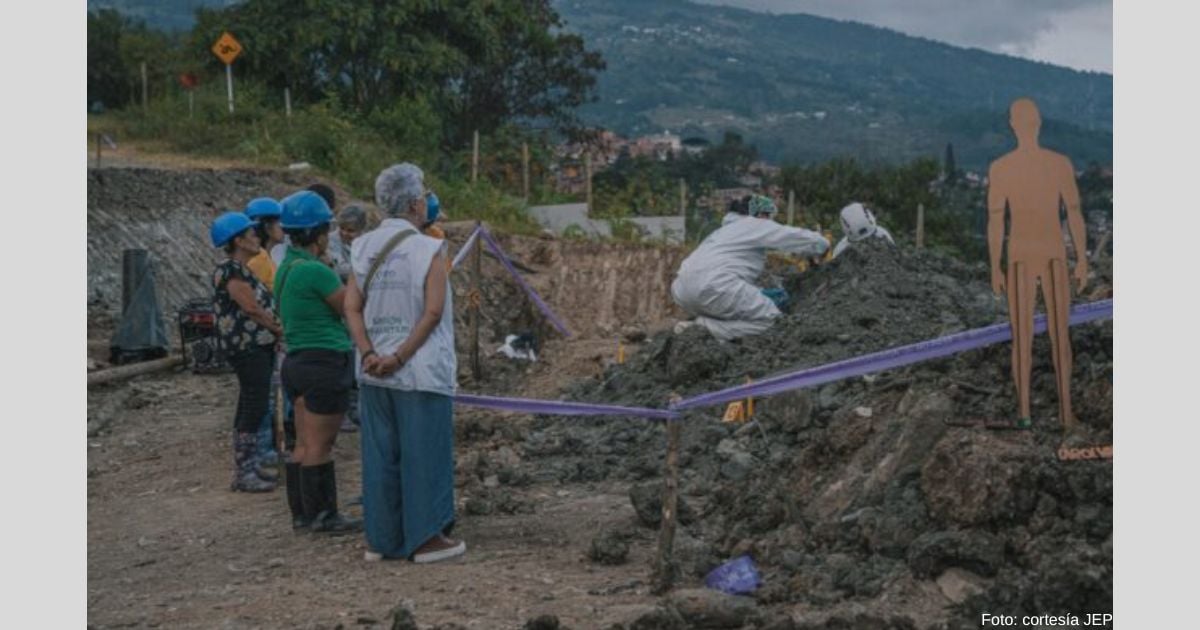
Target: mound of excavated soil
<point x="869" y="496"/>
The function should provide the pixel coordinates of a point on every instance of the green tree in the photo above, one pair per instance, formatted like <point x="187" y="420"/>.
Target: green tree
<point x="949" y="167"/>
<point x="107" y="76"/>
<point x="1095" y="189"/>
<point x="479" y="63"/>
<point x="117" y="46"/>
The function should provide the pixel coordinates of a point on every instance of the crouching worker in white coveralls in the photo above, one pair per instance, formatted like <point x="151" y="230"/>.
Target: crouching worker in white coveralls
<point x="715" y="283"/>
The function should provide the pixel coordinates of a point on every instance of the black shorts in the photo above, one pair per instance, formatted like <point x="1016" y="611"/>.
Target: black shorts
<point x="322" y="377"/>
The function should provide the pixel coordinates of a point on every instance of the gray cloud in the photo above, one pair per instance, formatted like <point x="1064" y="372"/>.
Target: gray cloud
<point x="1075" y="33"/>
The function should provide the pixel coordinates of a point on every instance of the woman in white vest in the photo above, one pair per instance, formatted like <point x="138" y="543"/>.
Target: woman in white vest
<point x="400" y="316"/>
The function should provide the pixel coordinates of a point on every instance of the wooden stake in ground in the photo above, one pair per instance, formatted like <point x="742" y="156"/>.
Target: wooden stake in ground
<point x="683" y="198"/>
<point x="145" y="91"/>
<point x="1099" y="251"/>
<point x="475" y="158"/>
<point x="791" y="207"/>
<point x="587" y="176"/>
<point x="664" y="569"/>
<point x="525" y="172"/>
<point x="476" y="300"/>
<point x="920" y="225"/>
<point x="287" y="104"/>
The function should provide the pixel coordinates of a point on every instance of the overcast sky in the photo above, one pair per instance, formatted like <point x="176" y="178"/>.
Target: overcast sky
<point x="1072" y="33"/>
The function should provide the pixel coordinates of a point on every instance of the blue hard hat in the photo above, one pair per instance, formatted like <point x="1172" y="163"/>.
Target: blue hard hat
<point x="263" y="207"/>
<point x="432" y="206"/>
<point x="304" y="209"/>
<point x="227" y="226"/>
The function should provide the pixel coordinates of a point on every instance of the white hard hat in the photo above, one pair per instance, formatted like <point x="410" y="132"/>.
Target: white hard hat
<point x="857" y="222"/>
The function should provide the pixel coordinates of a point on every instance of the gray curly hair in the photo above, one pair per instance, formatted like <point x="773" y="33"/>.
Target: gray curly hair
<point x="398" y="186"/>
<point x="353" y="217"/>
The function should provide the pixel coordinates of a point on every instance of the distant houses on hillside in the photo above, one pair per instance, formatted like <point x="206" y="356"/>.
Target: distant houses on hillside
<point x="607" y="147"/>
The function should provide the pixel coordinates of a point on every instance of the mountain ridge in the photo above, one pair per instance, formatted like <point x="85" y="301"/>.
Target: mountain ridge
<point x="802" y="88"/>
<point x="806" y="88"/>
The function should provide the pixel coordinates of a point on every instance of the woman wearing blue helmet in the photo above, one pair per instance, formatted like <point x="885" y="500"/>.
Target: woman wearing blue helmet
<point x="266" y="212"/>
<point x="247" y="331"/>
<point x="318" y="371"/>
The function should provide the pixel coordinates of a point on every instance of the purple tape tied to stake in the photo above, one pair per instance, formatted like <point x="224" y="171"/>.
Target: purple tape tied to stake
<point x="466" y="248"/>
<point x="537" y="299"/>
<point x="888" y="359"/>
<point x="560" y="408"/>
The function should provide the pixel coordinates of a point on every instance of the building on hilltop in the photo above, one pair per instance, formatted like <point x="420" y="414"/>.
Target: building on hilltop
<point x="656" y="146"/>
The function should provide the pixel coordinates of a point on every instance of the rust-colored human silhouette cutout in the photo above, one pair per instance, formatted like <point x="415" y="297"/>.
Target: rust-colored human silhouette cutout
<point x="1035" y="185"/>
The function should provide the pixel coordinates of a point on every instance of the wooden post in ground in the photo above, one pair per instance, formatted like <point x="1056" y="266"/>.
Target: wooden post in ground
<point x="287" y="104"/>
<point x="682" y="198"/>
<point x="525" y="171"/>
<point x="587" y="176"/>
<point x="791" y="207"/>
<point x="920" y="225"/>
<point x="475" y="157"/>
<point x="1099" y="251"/>
<point x="476" y="298"/>
<point x="145" y="91"/>
<point x="664" y="571"/>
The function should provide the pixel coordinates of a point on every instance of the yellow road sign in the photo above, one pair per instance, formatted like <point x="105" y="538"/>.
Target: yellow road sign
<point x="227" y="48"/>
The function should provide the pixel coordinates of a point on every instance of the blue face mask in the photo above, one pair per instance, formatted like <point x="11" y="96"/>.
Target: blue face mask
<point x="432" y="206"/>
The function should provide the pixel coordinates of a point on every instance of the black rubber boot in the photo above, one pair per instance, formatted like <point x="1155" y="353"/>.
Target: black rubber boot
<point x="328" y="520"/>
<point x="295" y="502"/>
<point x="245" y="464"/>
<point x="311" y="499"/>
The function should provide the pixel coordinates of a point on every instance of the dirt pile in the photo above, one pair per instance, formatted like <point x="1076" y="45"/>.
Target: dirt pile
<point x="882" y="496"/>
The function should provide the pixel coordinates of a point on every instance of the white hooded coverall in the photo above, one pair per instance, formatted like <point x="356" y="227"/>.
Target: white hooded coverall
<point x="879" y="232"/>
<point x="715" y="283"/>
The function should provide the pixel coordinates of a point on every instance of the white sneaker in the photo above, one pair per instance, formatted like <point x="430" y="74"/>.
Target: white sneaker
<point x="371" y="556"/>
<point x="684" y="325"/>
<point x="441" y="554"/>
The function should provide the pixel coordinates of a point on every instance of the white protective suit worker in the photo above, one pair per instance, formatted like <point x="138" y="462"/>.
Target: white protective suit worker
<point x="858" y="224"/>
<point x="715" y="283"/>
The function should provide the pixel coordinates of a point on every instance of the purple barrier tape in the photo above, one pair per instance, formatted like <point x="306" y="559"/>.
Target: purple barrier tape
<point x="888" y="359"/>
<point x="537" y="299"/>
<point x="560" y="408"/>
<point x="466" y="248"/>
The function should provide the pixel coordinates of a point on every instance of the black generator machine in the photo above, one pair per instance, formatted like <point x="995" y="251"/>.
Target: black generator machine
<point x="201" y="348"/>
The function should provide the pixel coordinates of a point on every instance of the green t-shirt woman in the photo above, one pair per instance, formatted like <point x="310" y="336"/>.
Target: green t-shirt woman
<point x="318" y="372"/>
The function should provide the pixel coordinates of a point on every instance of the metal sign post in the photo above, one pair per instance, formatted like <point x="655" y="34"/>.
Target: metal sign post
<point x="189" y="81"/>
<point x="229" y="85"/>
<point x="227" y="49"/>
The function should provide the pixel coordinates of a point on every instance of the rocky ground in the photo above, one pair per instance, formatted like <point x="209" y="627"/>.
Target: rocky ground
<point x="879" y="502"/>
<point x="884" y="501"/>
